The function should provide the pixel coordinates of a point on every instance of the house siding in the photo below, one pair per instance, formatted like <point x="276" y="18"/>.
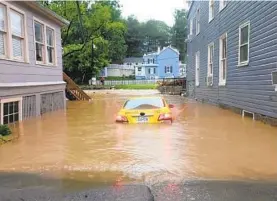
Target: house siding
<point x="29" y="81"/>
<point x="247" y="87"/>
<point x="168" y="57"/>
<point x="12" y="71"/>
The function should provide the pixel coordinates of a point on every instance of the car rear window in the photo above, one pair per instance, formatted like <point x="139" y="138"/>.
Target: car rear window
<point x="146" y="103"/>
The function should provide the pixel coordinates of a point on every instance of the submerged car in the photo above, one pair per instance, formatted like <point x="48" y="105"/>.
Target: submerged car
<point x="145" y="110"/>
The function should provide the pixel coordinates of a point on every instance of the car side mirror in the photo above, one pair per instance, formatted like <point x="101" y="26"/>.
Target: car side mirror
<point x="171" y="106"/>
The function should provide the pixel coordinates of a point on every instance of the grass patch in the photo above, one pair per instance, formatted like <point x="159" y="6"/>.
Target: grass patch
<point x="120" y="78"/>
<point x="136" y="86"/>
<point x="5" y="139"/>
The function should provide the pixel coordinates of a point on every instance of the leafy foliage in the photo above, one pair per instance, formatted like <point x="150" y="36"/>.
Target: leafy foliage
<point x="98" y="35"/>
<point x="146" y="37"/>
<point x="179" y="33"/>
<point x="5" y="130"/>
<point x="94" y="37"/>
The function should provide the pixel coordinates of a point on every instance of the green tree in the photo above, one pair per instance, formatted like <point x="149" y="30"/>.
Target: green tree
<point x="88" y="39"/>
<point x="179" y="33"/>
<point x="134" y="37"/>
<point x="146" y="37"/>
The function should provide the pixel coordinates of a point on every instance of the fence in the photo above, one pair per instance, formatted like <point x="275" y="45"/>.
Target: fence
<point x="127" y="82"/>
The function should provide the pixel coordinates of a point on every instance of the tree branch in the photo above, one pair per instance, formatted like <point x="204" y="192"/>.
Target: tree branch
<point x="85" y="41"/>
<point x="77" y="50"/>
<point x="80" y="20"/>
<point x="73" y="51"/>
<point x="67" y="32"/>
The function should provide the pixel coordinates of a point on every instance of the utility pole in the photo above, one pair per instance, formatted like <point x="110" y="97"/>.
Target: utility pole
<point x="92" y="58"/>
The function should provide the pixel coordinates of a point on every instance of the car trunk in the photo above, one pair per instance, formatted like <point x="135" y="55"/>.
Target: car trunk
<point x="143" y="115"/>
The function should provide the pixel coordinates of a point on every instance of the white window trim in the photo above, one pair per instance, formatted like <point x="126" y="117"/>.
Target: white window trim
<point x="197" y="68"/>
<point x="221" y="81"/>
<point x="245" y="63"/>
<point x="7" y="100"/>
<point x="45" y="55"/>
<point x="211" y="17"/>
<point x="221" y="4"/>
<point x="210" y="62"/>
<point x="8" y="42"/>
<point x="5" y="33"/>
<point x="191" y="27"/>
<point x="198" y="21"/>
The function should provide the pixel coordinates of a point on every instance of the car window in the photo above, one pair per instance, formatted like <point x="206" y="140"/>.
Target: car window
<point x="147" y="103"/>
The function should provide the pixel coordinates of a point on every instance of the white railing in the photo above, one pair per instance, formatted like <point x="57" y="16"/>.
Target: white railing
<point x="126" y="82"/>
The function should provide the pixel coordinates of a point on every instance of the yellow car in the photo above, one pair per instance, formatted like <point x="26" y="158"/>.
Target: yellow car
<point x="145" y="110"/>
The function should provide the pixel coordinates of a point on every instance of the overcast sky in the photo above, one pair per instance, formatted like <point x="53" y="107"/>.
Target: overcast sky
<point x="152" y="9"/>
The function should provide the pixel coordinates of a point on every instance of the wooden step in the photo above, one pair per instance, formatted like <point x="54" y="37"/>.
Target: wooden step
<point x="74" y="89"/>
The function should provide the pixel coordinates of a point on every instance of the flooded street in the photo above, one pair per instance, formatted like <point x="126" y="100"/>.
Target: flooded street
<point x="83" y="146"/>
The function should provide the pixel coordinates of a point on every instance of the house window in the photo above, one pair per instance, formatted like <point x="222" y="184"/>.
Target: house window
<point x="149" y="71"/>
<point x="210" y="59"/>
<point x="11" y="110"/>
<point x="12" y="33"/>
<point x="223" y="59"/>
<point x="198" y="21"/>
<point x="167" y="69"/>
<point x="211" y="10"/>
<point x="17" y="34"/>
<point x="210" y="64"/>
<point x="44" y="43"/>
<point x="139" y="69"/>
<point x="39" y="42"/>
<point x="222" y="4"/>
<point x="3" y="30"/>
<point x="244" y="33"/>
<point x="197" y="68"/>
<point x="191" y="27"/>
<point x="149" y="61"/>
<point x="154" y="69"/>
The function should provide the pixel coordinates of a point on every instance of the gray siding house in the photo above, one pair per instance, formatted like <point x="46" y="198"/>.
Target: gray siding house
<point x="232" y="52"/>
<point x="31" y="80"/>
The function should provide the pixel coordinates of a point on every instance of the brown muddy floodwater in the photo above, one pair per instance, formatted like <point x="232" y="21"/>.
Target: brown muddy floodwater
<point x="83" y="146"/>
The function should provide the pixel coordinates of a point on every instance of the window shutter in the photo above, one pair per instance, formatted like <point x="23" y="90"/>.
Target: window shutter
<point x="154" y="70"/>
<point x="165" y="69"/>
<point x="2" y="47"/>
<point x="171" y="70"/>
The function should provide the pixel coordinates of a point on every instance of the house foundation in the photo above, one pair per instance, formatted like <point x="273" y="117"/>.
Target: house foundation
<point x="23" y="102"/>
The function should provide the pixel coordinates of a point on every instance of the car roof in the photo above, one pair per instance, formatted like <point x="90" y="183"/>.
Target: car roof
<point x="146" y="97"/>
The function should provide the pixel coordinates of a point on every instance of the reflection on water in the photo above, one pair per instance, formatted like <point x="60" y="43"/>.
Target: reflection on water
<point x="84" y="144"/>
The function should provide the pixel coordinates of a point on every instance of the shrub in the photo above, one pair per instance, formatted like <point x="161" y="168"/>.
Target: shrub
<point x="5" y="130"/>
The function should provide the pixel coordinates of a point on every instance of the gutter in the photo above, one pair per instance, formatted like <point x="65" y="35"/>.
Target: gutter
<point x="38" y="6"/>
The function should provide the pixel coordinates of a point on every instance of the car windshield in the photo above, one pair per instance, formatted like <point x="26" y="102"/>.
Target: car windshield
<point x="146" y="103"/>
